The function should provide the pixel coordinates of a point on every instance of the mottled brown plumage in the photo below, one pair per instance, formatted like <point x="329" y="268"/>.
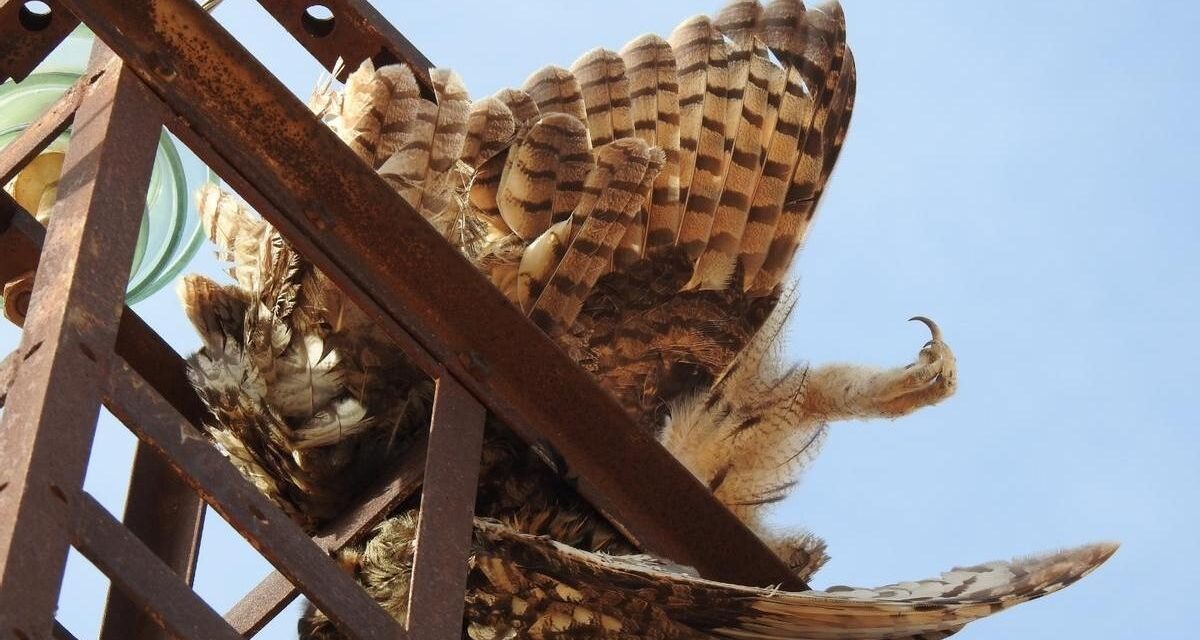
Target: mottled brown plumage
<point x="642" y="209"/>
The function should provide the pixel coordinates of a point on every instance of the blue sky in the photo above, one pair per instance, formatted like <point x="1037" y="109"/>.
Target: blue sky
<point x="1023" y="175"/>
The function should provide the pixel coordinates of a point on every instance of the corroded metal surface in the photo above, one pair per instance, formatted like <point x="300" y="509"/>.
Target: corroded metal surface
<point x="277" y="537"/>
<point x="167" y="517"/>
<point x="27" y="37"/>
<point x="48" y="424"/>
<point x="354" y="227"/>
<point x="274" y="593"/>
<point x="162" y="511"/>
<point x="352" y="31"/>
<point x="141" y="576"/>
<point x="447" y="513"/>
<point x="41" y="132"/>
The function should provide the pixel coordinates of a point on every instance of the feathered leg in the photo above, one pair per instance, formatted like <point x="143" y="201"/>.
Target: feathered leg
<point x="840" y="392"/>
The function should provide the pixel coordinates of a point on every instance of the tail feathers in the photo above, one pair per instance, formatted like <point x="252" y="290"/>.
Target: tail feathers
<point x="924" y="609"/>
<point x="822" y="69"/>
<point x="933" y="608"/>
<point x="624" y="172"/>
<point x="544" y="174"/>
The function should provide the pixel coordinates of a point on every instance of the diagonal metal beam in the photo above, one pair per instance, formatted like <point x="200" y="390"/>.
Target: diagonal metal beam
<point x="277" y="537"/>
<point x="390" y="261"/>
<point x="30" y="37"/>
<point x="353" y="32"/>
<point x="141" y="575"/>
<point x="49" y="422"/>
<point x="275" y="592"/>
<point x="41" y="132"/>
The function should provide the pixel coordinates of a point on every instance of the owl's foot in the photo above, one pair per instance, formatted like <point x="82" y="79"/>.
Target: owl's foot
<point x="932" y="378"/>
<point x="842" y="391"/>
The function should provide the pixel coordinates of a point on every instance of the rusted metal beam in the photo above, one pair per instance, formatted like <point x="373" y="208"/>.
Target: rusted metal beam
<point x="27" y="37"/>
<point x="353" y="31"/>
<point x="447" y="514"/>
<point x="277" y="537"/>
<point x="49" y="422"/>
<point x="43" y="131"/>
<point x="167" y="517"/>
<point x="254" y="611"/>
<point x="21" y="240"/>
<point x="141" y="576"/>
<point x="160" y="509"/>
<point x="393" y="264"/>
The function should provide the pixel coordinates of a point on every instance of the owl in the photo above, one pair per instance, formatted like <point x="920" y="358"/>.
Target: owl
<point x="642" y="208"/>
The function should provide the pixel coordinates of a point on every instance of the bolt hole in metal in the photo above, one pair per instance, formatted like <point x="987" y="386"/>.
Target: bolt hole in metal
<point x="58" y="493"/>
<point x="318" y="20"/>
<point x="35" y="16"/>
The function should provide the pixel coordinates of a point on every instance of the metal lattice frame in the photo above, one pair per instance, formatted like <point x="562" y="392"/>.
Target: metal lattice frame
<point x="175" y="67"/>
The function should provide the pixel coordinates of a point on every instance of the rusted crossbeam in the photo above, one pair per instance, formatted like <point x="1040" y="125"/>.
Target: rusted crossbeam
<point x="66" y="347"/>
<point x="30" y="35"/>
<point x="390" y="261"/>
<point x="162" y="511"/>
<point x="254" y="611"/>
<point x="353" y="31"/>
<point x="41" y="132"/>
<point x="277" y="537"/>
<point x="356" y="33"/>
<point x="141" y="575"/>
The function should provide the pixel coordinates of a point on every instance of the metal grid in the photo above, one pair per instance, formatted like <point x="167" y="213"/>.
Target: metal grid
<point x="175" y="67"/>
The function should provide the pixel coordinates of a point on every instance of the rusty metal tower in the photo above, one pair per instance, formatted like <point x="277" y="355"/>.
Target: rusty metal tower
<point x="167" y="63"/>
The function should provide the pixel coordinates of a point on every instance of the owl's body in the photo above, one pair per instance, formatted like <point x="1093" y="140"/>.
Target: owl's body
<point x="642" y="208"/>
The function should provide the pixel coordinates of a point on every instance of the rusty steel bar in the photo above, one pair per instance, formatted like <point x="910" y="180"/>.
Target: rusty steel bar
<point x="160" y="509"/>
<point x="21" y="240"/>
<point x="26" y="38"/>
<point x="49" y="422"/>
<point x="277" y="537"/>
<point x="139" y="574"/>
<point x="44" y="130"/>
<point x="447" y="514"/>
<point x="167" y="517"/>
<point x="393" y="264"/>
<point x="355" y="31"/>
<point x="254" y="611"/>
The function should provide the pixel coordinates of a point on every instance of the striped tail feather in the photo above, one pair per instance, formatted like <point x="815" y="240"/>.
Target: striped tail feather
<point x="708" y="171"/>
<point x="741" y="21"/>
<point x="543" y="175"/>
<point x="598" y="594"/>
<point x="490" y="130"/>
<point x="521" y="104"/>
